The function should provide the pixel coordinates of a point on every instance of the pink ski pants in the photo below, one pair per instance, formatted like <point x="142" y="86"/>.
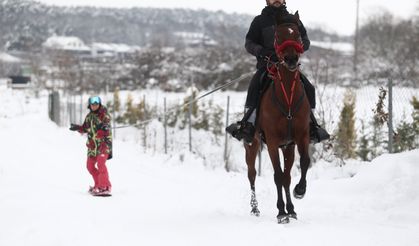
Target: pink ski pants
<point x="99" y="172"/>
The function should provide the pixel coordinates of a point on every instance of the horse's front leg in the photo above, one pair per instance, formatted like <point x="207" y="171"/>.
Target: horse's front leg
<point x="300" y="188"/>
<point x="279" y="177"/>
<point x="289" y="154"/>
<point x="251" y="153"/>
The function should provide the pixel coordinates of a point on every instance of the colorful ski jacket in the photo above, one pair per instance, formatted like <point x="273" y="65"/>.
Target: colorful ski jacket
<point x="97" y="125"/>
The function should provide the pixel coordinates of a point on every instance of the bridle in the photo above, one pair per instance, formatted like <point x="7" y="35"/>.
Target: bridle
<point x="275" y="73"/>
<point x="277" y="78"/>
<point x="280" y="47"/>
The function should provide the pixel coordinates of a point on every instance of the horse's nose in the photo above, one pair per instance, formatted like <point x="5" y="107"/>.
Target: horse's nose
<point x="291" y="61"/>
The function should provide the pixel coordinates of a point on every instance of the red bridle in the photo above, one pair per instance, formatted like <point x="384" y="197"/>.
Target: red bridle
<point x="275" y="73"/>
<point x="279" y="48"/>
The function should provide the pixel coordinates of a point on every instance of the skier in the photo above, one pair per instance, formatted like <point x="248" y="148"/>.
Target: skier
<point x="99" y="145"/>
<point x="260" y="43"/>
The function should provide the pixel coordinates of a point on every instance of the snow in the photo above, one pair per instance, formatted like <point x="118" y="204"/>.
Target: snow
<point x="118" y="48"/>
<point x="174" y="199"/>
<point x="224" y="67"/>
<point x="65" y="43"/>
<point x="76" y="44"/>
<point x="4" y="83"/>
<point x="4" y="57"/>
<point x="346" y="48"/>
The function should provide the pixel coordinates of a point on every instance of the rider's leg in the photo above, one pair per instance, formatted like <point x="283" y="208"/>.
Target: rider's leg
<point x="252" y="97"/>
<point x="245" y="128"/>
<point x="317" y="134"/>
<point x="310" y="90"/>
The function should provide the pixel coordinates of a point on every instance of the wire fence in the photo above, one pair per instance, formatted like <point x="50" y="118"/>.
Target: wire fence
<point x="196" y="133"/>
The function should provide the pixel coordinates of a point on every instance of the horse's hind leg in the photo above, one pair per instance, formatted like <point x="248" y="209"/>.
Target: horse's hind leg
<point x="279" y="179"/>
<point x="300" y="188"/>
<point x="251" y="153"/>
<point x="289" y="155"/>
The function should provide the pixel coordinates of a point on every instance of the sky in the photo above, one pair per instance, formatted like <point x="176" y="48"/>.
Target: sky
<point x="334" y="15"/>
<point x="183" y="199"/>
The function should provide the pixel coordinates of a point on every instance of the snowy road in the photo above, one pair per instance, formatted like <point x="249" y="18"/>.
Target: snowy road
<point x="161" y="200"/>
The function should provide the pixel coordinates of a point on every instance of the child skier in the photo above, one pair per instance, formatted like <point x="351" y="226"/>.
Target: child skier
<point x="99" y="145"/>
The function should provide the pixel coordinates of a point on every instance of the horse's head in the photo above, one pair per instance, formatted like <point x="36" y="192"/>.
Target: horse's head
<point x="288" y="45"/>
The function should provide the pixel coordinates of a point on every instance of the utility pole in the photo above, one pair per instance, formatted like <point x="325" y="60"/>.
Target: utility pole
<point x="165" y="127"/>
<point x="190" y="113"/>
<point x="190" y="123"/>
<point x="390" y="116"/>
<point x="355" y="61"/>
<point x="226" y="137"/>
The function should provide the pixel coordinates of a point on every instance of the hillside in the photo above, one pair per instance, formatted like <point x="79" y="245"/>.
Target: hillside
<point x="135" y="26"/>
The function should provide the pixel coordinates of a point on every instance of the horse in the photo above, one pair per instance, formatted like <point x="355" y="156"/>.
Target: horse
<point x="283" y="121"/>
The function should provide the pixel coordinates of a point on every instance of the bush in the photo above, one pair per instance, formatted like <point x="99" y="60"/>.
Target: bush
<point x="346" y="136"/>
<point x="407" y="134"/>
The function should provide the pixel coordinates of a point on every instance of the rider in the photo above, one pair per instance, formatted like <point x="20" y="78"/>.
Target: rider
<point x="260" y="43"/>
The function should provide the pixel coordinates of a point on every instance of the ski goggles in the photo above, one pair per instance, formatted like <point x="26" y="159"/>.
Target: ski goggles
<point x="94" y="100"/>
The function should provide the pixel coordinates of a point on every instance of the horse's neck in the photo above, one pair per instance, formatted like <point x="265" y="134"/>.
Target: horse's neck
<point x="288" y="77"/>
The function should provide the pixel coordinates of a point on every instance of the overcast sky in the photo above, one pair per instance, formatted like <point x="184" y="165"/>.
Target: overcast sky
<point x="335" y="15"/>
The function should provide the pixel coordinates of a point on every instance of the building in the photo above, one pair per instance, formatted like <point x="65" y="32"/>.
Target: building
<point x="73" y="45"/>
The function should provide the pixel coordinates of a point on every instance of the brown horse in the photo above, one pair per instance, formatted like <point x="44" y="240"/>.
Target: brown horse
<point x="283" y="121"/>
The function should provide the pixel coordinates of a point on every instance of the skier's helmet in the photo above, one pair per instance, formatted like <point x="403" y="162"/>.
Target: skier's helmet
<point x="95" y="100"/>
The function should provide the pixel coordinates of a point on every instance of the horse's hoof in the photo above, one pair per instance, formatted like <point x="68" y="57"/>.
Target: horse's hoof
<point x="255" y="212"/>
<point x="292" y="216"/>
<point x="298" y="196"/>
<point x="283" y="219"/>
<point x="299" y="192"/>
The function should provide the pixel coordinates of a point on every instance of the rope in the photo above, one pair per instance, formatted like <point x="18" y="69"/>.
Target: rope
<point x="242" y="77"/>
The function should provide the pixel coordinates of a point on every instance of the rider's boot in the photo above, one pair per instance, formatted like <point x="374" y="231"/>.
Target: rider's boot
<point x="317" y="134"/>
<point x="245" y="128"/>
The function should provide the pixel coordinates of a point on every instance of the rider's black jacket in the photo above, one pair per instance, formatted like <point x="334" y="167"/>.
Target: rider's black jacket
<point x="260" y="37"/>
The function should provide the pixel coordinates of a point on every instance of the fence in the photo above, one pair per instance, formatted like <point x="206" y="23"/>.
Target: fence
<point x="161" y="135"/>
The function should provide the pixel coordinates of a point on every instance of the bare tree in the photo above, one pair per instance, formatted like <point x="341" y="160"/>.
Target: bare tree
<point x="388" y="50"/>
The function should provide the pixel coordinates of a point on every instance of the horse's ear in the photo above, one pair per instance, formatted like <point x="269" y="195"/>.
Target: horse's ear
<point x="297" y="16"/>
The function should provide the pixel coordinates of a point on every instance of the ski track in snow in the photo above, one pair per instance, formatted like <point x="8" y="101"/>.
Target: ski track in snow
<point x="160" y="200"/>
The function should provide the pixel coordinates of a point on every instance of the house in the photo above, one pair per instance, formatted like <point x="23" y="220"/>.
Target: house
<point x="194" y="39"/>
<point x="6" y="58"/>
<point x="20" y="82"/>
<point x="111" y="49"/>
<point x="12" y="66"/>
<point x="70" y="44"/>
<point x="76" y="46"/>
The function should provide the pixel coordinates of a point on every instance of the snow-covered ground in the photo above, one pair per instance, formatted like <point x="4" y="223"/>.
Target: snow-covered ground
<point x="175" y="200"/>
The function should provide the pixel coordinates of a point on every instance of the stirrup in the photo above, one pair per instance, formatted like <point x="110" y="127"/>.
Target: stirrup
<point x="318" y="134"/>
<point x="242" y="131"/>
<point x="322" y="134"/>
<point x="234" y="129"/>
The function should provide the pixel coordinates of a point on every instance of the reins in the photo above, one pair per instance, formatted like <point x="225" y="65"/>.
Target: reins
<point x="275" y="73"/>
<point x="242" y="77"/>
<point x="288" y="110"/>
